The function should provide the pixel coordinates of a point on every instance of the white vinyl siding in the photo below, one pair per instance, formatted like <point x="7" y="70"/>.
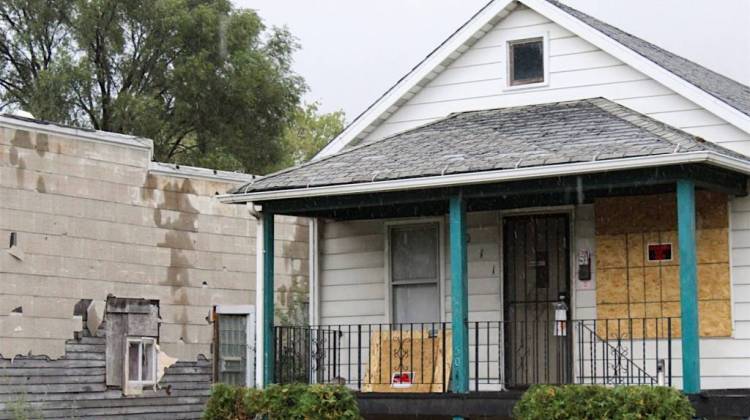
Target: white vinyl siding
<point x="352" y="272"/>
<point x="353" y="279"/>
<point x="578" y="69"/>
<point x="484" y="268"/>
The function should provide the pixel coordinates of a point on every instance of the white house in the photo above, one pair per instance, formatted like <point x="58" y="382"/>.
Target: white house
<point x="543" y="199"/>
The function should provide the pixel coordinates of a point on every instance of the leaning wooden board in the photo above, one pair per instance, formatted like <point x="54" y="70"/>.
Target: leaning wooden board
<point x="419" y="352"/>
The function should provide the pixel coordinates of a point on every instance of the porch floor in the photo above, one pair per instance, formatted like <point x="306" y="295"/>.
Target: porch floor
<point x="711" y="404"/>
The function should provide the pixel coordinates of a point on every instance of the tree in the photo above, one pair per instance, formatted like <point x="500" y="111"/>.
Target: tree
<point x="308" y="132"/>
<point x="210" y="84"/>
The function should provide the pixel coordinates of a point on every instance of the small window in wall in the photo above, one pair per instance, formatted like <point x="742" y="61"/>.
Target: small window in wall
<point x="140" y="354"/>
<point x="526" y="61"/>
<point x="234" y="344"/>
<point x="415" y="273"/>
<point x="132" y="334"/>
<point x="232" y="349"/>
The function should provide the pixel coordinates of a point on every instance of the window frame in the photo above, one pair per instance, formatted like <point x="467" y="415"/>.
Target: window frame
<point x="520" y="37"/>
<point x="389" y="283"/>
<point x="251" y="376"/>
<point x="130" y="383"/>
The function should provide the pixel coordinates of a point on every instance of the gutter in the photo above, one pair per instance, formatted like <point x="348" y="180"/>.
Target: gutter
<point x="192" y="172"/>
<point x="439" y="181"/>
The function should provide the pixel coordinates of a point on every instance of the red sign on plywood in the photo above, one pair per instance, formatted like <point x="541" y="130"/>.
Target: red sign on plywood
<point x="659" y="252"/>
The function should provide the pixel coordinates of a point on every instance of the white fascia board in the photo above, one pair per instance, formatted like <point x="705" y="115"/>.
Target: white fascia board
<point x="504" y="175"/>
<point x="628" y="56"/>
<point x="412" y="79"/>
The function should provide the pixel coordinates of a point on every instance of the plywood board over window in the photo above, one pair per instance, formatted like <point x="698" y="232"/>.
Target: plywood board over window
<point x="635" y="284"/>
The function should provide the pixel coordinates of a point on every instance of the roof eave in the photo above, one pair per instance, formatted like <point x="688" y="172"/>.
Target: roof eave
<point x="504" y="175"/>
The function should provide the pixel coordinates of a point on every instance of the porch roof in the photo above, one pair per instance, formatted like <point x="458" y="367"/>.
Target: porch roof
<point x="535" y="141"/>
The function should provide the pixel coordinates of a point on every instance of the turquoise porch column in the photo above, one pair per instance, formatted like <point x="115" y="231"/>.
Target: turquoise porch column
<point x="459" y="295"/>
<point x="688" y="287"/>
<point x="268" y="310"/>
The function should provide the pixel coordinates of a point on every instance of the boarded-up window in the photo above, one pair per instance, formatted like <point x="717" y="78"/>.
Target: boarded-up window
<point x="415" y="268"/>
<point x="526" y="61"/>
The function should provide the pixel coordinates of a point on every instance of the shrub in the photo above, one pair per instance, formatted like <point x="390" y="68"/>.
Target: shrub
<point x="282" y="401"/>
<point x="226" y="402"/>
<point x="292" y="402"/>
<point x="544" y="402"/>
<point x="326" y="402"/>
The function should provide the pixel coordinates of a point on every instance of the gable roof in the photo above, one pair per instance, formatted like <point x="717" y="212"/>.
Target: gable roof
<point x="723" y="88"/>
<point x="555" y="136"/>
<point x="720" y="95"/>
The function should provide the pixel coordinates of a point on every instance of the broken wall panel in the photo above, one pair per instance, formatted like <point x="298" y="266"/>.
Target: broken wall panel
<point x="73" y="386"/>
<point x="92" y="216"/>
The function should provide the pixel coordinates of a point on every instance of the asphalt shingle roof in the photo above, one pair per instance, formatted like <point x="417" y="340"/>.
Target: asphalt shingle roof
<point x="733" y="93"/>
<point x="507" y="138"/>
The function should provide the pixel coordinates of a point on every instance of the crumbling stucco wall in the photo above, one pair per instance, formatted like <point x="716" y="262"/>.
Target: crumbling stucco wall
<point x="93" y="216"/>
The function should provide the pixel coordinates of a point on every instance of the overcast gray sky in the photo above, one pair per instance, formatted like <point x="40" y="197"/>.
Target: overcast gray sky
<point x="353" y="50"/>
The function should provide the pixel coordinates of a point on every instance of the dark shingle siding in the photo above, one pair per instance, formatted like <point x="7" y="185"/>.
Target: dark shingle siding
<point x="507" y="138"/>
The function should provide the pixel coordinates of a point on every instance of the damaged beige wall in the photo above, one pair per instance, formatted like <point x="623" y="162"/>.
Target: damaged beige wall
<point x="91" y="219"/>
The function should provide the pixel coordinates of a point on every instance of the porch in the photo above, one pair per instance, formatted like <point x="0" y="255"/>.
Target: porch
<point x="503" y="355"/>
<point x="536" y="333"/>
<point x="598" y="221"/>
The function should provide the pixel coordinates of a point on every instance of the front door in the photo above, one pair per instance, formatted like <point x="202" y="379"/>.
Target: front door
<point x="536" y="279"/>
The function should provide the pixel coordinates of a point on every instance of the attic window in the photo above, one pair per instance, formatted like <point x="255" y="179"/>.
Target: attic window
<point x="526" y="61"/>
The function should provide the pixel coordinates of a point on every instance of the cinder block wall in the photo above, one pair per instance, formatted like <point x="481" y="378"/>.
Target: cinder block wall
<point x="94" y="216"/>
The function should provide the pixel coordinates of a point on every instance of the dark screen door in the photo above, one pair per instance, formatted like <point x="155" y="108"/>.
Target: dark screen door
<point x="536" y="274"/>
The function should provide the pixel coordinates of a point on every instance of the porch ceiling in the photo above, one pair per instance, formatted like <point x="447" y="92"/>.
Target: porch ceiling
<point x="552" y="191"/>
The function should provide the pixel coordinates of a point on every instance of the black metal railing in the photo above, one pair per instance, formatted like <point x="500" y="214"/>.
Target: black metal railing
<point x="418" y="357"/>
<point x="632" y="351"/>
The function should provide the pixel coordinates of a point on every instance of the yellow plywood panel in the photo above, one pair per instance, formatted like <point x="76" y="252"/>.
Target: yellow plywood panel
<point x="636" y="286"/>
<point x="608" y="311"/>
<point x="637" y="310"/>
<point x="666" y="215"/>
<point x="711" y="210"/>
<point x="712" y="245"/>
<point x="625" y="226"/>
<point x="611" y="215"/>
<point x="640" y="327"/>
<point x="653" y="310"/>
<point x="670" y="283"/>
<point x="713" y="281"/>
<point x="652" y="284"/>
<point x="670" y="309"/>
<point x="416" y="353"/>
<point x="636" y="250"/>
<point x="612" y="285"/>
<point x="609" y="251"/>
<point x="715" y="318"/>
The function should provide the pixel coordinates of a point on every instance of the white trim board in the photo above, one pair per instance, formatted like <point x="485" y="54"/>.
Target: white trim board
<point x="478" y="26"/>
